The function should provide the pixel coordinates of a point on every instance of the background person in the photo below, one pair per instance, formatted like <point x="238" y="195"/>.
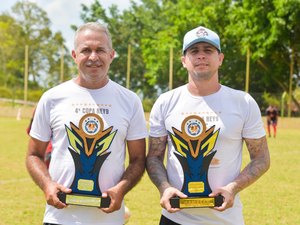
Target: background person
<point x="47" y="157"/>
<point x="236" y="117"/>
<point x="272" y="119"/>
<point x="89" y="104"/>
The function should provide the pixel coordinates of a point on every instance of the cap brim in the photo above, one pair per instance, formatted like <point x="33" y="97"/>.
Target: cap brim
<point x="201" y="40"/>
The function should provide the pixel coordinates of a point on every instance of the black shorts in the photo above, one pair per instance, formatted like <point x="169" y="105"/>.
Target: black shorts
<point x="165" y="221"/>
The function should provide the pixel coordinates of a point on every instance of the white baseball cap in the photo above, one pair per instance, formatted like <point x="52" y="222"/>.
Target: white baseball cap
<point x="200" y="34"/>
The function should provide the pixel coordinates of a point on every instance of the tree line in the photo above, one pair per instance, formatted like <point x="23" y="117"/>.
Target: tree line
<point x="267" y="29"/>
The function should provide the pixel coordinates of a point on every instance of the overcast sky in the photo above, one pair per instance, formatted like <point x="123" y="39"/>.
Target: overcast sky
<point x="63" y="13"/>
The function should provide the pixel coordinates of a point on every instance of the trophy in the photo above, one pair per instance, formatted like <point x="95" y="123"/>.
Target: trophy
<point x="194" y="149"/>
<point x="88" y="146"/>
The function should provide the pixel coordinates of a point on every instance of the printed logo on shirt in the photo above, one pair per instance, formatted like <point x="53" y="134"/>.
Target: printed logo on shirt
<point x="92" y="108"/>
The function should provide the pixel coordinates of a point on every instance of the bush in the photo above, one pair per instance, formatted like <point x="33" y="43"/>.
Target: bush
<point x="35" y="95"/>
<point x="147" y="104"/>
<point x="271" y="99"/>
<point x="6" y="92"/>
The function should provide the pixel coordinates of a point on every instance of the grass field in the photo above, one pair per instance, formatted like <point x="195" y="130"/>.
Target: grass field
<point x="273" y="200"/>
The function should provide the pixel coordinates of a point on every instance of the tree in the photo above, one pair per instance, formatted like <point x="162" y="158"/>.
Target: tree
<point x="270" y="29"/>
<point x="125" y="29"/>
<point x="10" y="57"/>
<point x="44" y="46"/>
<point x="153" y="27"/>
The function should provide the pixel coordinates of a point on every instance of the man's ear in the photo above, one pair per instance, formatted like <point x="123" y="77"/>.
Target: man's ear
<point x="183" y="61"/>
<point x="112" y="54"/>
<point x="74" y="54"/>
<point x="221" y="58"/>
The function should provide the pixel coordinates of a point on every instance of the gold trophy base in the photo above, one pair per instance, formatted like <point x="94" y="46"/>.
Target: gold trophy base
<point x="196" y="202"/>
<point x="84" y="200"/>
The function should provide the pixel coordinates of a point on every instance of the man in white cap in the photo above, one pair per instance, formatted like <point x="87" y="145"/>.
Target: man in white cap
<point x="199" y="120"/>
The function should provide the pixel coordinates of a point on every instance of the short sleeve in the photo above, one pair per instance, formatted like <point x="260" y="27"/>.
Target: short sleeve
<point x="253" y="126"/>
<point x="138" y="127"/>
<point x="157" y="120"/>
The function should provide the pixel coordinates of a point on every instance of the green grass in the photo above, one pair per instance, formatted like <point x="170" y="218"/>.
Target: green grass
<point x="273" y="200"/>
<point x="21" y="202"/>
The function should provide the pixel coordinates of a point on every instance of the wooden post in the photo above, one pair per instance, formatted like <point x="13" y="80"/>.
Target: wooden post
<point x="128" y="66"/>
<point x="62" y="65"/>
<point x="290" y="84"/>
<point x="171" y="69"/>
<point x="26" y="75"/>
<point x="247" y="71"/>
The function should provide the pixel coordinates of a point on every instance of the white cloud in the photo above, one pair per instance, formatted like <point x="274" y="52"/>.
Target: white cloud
<point x="63" y="14"/>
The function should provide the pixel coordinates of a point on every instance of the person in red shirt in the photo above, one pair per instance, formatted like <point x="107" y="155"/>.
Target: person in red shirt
<point x="49" y="147"/>
<point x="272" y="120"/>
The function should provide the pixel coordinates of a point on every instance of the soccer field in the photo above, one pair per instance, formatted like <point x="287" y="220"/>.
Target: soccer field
<point x="273" y="200"/>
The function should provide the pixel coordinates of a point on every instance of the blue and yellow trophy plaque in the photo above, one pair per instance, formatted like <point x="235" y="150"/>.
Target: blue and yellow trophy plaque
<point x="194" y="149"/>
<point x="88" y="146"/>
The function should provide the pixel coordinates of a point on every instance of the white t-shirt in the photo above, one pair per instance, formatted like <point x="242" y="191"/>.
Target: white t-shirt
<point x="60" y="111"/>
<point x="234" y="115"/>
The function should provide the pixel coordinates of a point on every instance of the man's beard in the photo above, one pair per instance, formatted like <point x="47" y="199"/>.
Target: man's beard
<point x="201" y="75"/>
